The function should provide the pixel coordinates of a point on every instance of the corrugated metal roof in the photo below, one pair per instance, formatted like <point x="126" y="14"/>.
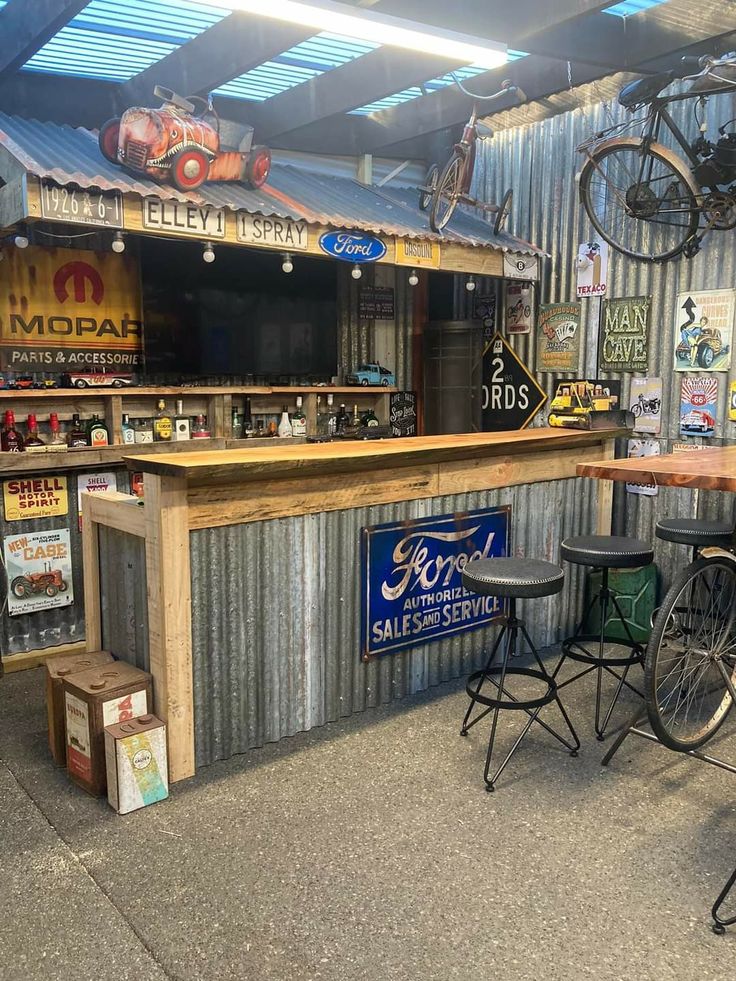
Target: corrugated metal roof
<point x="71" y="156"/>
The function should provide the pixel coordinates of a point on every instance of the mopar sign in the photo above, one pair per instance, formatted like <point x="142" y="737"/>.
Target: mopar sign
<point x="411" y="588"/>
<point x="352" y="246"/>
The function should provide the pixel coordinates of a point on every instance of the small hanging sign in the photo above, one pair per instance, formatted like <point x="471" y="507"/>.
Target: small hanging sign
<point x="39" y="570"/>
<point x="417" y="254"/>
<point x="640" y="448"/>
<point x="732" y="402"/>
<point x="352" y="246"/>
<point x="35" y="497"/>
<point x="623" y="343"/>
<point x="645" y="402"/>
<point x="376" y="303"/>
<point x="516" y="265"/>
<point x="698" y="398"/>
<point x="402" y="413"/>
<point x="519" y="307"/>
<point x="558" y="339"/>
<point x="704" y="330"/>
<point x="592" y="266"/>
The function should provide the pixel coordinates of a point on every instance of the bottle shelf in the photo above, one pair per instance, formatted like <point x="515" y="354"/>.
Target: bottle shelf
<point x="165" y="391"/>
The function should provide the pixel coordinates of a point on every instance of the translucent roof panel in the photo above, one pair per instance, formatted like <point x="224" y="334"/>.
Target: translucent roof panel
<point x="426" y="88"/>
<point x="315" y="56"/>
<point x="116" y="39"/>
<point x="629" y="7"/>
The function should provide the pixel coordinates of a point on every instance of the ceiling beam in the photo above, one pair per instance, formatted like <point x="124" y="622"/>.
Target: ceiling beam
<point x="25" y="27"/>
<point x="224" y="51"/>
<point x="372" y="76"/>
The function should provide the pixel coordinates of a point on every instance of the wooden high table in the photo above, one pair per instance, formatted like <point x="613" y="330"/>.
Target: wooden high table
<point x="237" y="583"/>
<point x="711" y="469"/>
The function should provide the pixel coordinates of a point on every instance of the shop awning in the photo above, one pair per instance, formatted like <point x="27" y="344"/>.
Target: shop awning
<point x="71" y="156"/>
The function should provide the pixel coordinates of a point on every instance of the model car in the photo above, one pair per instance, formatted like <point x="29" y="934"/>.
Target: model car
<point x="177" y="143"/>
<point x="22" y="382"/>
<point x="89" y="379"/>
<point x="697" y="421"/>
<point x="371" y="374"/>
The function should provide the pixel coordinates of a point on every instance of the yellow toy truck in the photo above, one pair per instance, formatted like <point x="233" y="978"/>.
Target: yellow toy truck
<point x="582" y="405"/>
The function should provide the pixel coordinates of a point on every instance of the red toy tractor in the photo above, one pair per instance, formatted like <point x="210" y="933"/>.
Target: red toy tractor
<point x="190" y="148"/>
<point x="49" y="582"/>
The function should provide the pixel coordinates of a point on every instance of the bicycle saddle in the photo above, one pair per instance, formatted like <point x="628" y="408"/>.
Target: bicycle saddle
<point x="483" y="130"/>
<point x="644" y="89"/>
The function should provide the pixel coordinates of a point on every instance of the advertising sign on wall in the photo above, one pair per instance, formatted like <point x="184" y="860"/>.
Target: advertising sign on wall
<point x="511" y="395"/>
<point x="698" y="398"/>
<point x="376" y="303"/>
<point x="183" y="218"/>
<point x="402" y="413"/>
<point x="519" y="266"/>
<point x="352" y="246"/>
<point x="418" y="255"/>
<point x="95" y="483"/>
<point x="558" y="339"/>
<point x="624" y="334"/>
<point x="704" y="330"/>
<point x="645" y="401"/>
<point x="276" y="233"/>
<point x="35" y="497"/>
<point x="732" y="401"/>
<point x="39" y="571"/>
<point x="519" y="307"/>
<point x="66" y="309"/>
<point x="639" y="448"/>
<point x="592" y="267"/>
<point x="411" y="587"/>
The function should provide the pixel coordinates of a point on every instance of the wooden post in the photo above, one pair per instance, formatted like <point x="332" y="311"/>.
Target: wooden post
<point x="170" y="616"/>
<point x="91" y="563"/>
<point x="114" y="418"/>
<point x="605" y="494"/>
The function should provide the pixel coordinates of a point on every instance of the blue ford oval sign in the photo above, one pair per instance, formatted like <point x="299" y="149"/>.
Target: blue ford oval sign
<point x="352" y="246"/>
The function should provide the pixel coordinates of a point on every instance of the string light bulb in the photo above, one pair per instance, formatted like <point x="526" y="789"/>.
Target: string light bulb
<point x="118" y="243"/>
<point x="287" y="265"/>
<point x="356" y="271"/>
<point x="413" y="278"/>
<point x="470" y="285"/>
<point x="209" y="253"/>
<point x="20" y="242"/>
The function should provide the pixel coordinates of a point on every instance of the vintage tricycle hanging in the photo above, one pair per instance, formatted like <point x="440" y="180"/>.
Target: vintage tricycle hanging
<point x="178" y="144"/>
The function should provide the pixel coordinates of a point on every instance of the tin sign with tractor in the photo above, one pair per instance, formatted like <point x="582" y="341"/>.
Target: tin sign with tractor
<point x="39" y="570"/>
<point x="184" y="144"/>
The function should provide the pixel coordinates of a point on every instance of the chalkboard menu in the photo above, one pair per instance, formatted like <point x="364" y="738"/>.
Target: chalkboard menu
<point x="376" y="303"/>
<point x="402" y="416"/>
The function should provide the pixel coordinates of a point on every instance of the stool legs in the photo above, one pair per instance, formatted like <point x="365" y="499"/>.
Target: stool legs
<point x="503" y="698"/>
<point x="574" y="647"/>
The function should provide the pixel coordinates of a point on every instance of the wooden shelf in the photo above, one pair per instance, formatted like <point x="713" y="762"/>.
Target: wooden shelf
<point x="168" y="390"/>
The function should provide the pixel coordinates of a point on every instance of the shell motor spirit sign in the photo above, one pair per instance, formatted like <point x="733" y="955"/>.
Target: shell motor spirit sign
<point x="411" y="578"/>
<point x="67" y="308"/>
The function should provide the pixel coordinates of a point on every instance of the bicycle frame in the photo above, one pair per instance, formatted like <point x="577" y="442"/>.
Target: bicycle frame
<point x="466" y="147"/>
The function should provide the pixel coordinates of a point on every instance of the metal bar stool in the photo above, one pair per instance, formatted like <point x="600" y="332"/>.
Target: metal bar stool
<point x="513" y="579"/>
<point x="696" y="532"/>
<point x="604" y="552"/>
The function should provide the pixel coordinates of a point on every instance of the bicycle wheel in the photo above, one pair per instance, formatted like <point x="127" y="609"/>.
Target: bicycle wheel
<point x="690" y="662"/>
<point x="430" y="185"/>
<point x="641" y="202"/>
<point x="504" y="210"/>
<point x="447" y="192"/>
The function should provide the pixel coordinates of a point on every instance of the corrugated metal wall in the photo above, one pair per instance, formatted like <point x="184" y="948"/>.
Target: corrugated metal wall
<point x="64" y="625"/>
<point x="124" y="600"/>
<point x="276" y="615"/>
<point x="540" y="163"/>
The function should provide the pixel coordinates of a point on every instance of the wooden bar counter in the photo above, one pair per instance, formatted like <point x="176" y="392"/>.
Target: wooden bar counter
<point x="237" y="582"/>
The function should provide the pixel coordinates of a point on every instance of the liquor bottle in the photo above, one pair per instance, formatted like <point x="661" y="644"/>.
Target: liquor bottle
<point x="260" y="432"/>
<point x="298" y="419"/>
<point x="356" y="418"/>
<point x="76" y="436"/>
<point x="127" y="429"/>
<point x="200" y="429"/>
<point x="342" y="421"/>
<point x="97" y="433"/>
<point x="182" y="424"/>
<point x="57" y="441"/>
<point x="33" y="442"/>
<point x="321" y="418"/>
<point x="331" y="416"/>
<point x="237" y="424"/>
<point x="11" y="440"/>
<point x="273" y="429"/>
<point x="369" y="418"/>
<point x="248" y="427"/>
<point x="285" y="429"/>
<point x="144" y="430"/>
<point x="162" y="424"/>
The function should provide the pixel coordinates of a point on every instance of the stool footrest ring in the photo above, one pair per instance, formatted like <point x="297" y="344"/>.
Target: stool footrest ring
<point x="527" y="703"/>
<point x="571" y="647"/>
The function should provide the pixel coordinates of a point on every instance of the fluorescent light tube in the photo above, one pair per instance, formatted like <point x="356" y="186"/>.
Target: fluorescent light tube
<point x="382" y="29"/>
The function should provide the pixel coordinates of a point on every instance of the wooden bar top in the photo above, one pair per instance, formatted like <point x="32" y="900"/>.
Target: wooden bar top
<point x="711" y="469"/>
<point x="284" y="460"/>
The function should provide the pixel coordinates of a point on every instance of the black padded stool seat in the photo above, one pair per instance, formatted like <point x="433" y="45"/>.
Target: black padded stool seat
<point x="607" y="551"/>
<point x="521" y="578"/>
<point x="694" y="531"/>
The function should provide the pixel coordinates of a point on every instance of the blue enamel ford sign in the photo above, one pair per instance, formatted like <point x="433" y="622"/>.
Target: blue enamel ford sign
<point x="352" y="246"/>
<point x="411" y="588"/>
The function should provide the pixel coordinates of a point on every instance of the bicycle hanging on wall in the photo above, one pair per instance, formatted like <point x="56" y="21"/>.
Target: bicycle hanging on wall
<point x="444" y="190"/>
<point x="643" y="198"/>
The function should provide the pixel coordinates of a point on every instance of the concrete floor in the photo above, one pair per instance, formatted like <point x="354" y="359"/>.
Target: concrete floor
<point x="369" y="850"/>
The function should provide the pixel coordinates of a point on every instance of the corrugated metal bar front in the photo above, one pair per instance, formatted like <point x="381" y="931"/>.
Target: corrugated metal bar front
<point x="60" y="625"/>
<point x="276" y="615"/>
<point x="123" y="596"/>
<point x="540" y="162"/>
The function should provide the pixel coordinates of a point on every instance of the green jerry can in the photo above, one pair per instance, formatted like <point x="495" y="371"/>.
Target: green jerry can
<point x="636" y="594"/>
